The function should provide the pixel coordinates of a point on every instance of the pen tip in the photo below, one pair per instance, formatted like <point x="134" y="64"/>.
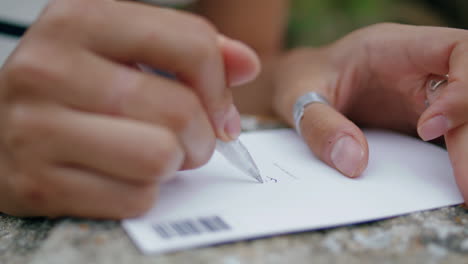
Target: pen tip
<point x="255" y="173"/>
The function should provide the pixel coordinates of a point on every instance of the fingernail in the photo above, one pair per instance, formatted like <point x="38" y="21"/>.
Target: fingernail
<point x="347" y="155"/>
<point x="227" y="124"/>
<point x="434" y="128"/>
<point x="232" y="127"/>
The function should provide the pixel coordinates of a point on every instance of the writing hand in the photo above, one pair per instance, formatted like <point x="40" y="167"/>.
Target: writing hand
<point x="84" y="133"/>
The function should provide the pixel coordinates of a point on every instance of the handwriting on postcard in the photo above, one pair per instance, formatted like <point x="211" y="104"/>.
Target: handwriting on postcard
<point x="284" y="172"/>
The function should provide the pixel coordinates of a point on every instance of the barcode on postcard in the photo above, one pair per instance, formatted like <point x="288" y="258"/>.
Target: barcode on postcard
<point x="191" y="227"/>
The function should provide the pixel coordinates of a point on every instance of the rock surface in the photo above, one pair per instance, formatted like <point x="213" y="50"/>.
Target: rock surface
<point x="439" y="236"/>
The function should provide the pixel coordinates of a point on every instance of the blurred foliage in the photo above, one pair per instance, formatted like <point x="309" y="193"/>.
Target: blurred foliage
<point x="317" y="22"/>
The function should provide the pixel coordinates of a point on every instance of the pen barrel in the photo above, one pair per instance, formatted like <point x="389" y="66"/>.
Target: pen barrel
<point x="237" y="154"/>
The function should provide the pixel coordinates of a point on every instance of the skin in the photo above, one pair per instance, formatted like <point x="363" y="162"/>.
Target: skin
<point x="261" y="26"/>
<point x="379" y="77"/>
<point x="86" y="133"/>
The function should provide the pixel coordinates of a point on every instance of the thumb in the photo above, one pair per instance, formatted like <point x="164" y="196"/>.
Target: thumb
<point x="335" y="139"/>
<point x="331" y="136"/>
<point x="241" y="63"/>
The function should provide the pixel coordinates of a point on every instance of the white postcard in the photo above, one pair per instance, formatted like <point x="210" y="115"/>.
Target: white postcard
<point x="218" y="203"/>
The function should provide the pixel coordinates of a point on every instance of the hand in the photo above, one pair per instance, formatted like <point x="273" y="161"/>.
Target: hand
<point x="378" y="77"/>
<point x="84" y="133"/>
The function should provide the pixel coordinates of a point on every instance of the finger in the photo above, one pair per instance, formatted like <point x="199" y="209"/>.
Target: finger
<point x="334" y="139"/>
<point x="169" y="40"/>
<point x="457" y="145"/>
<point x="330" y="135"/>
<point x="123" y="149"/>
<point x="427" y="50"/>
<point x="127" y="150"/>
<point x="449" y="107"/>
<point x="67" y="191"/>
<point x="93" y="84"/>
<point x="241" y="63"/>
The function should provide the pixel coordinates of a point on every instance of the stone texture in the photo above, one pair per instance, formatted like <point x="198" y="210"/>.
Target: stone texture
<point x="20" y="238"/>
<point x="439" y="236"/>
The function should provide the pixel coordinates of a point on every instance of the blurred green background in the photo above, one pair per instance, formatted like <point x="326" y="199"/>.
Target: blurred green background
<point x="317" y="22"/>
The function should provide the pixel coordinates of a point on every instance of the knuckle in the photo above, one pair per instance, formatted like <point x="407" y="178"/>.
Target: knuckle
<point x="201" y="51"/>
<point x="377" y="28"/>
<point x="190" y="106"/>
<point x="203" y="40"/>
<point x="61" y="13"/>
<point x="372" y="35"/>
<point x="167" y="151"/>
<point x="21" y="127"/>
<point x="382" y="26"/>
<point x="26" y="70"/>
<point x="201" y="156"/>
<point x="63" y="16"/>
<point x="202" y="25"/>
<point x="166" y="146"/>
<point x="191" y="102"/>
<point x="29" y="192"/>
<point x="23" y="68"/>
<point x="139" y="203"/>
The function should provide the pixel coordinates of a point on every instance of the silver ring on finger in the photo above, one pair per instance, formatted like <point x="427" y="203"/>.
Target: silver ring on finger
<point x="433" y="88"/>
<point x="300" y="105"/>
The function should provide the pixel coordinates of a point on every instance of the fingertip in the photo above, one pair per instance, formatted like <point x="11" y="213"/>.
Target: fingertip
<point x="227" y="124"/>
<point x="232" y="128"/>
<point x="335" y="139"/>
<point x="241" y="62"/>
<point x="433" y="128"/>
<point x="349" y="156"/>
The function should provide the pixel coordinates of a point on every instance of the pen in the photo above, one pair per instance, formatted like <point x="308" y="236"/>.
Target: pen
<point x="237" y="154"/>
<point x="234" y="151"/>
